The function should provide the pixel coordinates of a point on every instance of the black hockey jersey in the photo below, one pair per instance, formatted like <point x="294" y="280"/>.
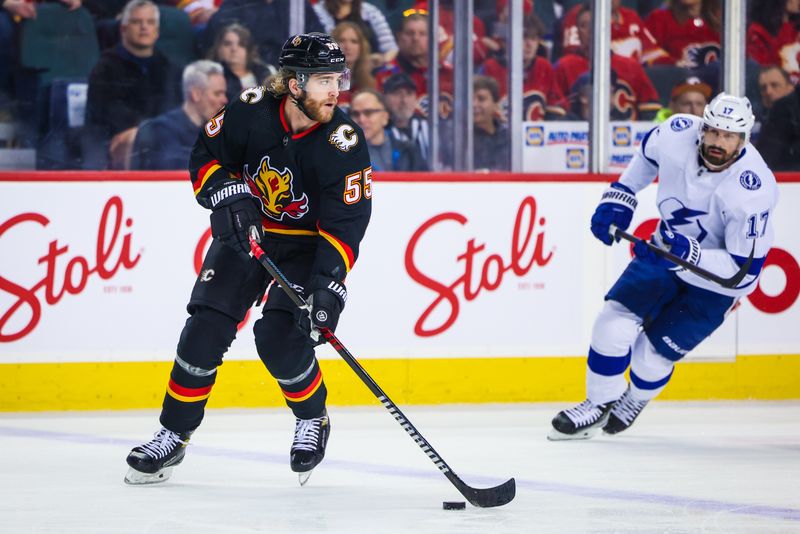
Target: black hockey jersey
<point x="316" y="184"/>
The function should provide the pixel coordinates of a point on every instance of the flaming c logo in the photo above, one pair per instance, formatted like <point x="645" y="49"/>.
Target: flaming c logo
<point x="275" y="191"/>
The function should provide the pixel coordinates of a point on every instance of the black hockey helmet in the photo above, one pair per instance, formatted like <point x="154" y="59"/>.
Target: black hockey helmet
<point x="312" y="53"/>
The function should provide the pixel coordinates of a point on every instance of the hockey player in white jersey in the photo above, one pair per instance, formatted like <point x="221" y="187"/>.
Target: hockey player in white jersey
<point x="716" y="198"/>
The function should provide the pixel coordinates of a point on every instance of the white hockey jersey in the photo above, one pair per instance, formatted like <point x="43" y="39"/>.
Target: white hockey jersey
<point x="729" y="212"/>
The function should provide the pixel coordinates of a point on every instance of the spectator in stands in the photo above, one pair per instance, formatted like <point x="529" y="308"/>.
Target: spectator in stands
<point x="773" y="83"/>
<point x="633" y="96"/>
<point x="368" y="18"/>
<point x="580" y="99"/>
<point x="267" y="20"/>
<point x="688" y="31"/>
<point x="236" y="51"/>
<point x="491" y="147"/>
<point x="542" y="98"/>
<point x="689" y="96"/>
<point x="387" y="152"/>
<point x="412" y="59"/>
<point x="11" y="12"/>
<point x="131" y="82"/>
<point x="356" y="50"/>
<point x="771" y="29"/>
<point x="165" y="142"/>
<point x="405" y="122"/>
<point x="779" y="140"/>
<point x="446" y="32"/>
<point x="629" y="36"/>
<point x="199" y="11"/>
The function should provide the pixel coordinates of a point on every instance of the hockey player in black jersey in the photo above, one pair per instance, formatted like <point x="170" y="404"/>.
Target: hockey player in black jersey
<point x="283" y="160"/>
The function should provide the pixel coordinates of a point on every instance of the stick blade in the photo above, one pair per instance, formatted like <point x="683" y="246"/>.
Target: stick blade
<point x="489" y="497"/>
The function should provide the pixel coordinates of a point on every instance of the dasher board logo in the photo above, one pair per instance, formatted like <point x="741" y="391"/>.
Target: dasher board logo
<point x="576" y="158"/>
<point x="276" y="192"/>
<point x="534" y="136"/>
<point x="621" y="135"/>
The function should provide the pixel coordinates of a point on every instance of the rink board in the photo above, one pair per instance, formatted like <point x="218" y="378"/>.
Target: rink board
<point x="468" y="289"/>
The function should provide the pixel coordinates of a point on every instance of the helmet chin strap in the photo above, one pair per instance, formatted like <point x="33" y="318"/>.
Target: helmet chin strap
<point x="299" y="102"/>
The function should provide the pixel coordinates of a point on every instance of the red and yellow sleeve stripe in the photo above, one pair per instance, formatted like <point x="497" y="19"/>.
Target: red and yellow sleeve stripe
<point x="204" y="174"/>
<point x="344" y="250"/>
<point x="300" y="396"/>
<point x="184" y="394"/>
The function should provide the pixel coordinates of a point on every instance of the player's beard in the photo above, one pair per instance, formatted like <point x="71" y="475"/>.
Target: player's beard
<point x="316" y="110"/>
<point x="719" y="157"/>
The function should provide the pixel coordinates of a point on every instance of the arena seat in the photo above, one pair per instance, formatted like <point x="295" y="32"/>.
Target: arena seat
<point x="664" y="78"/>
<point x="58" y="43"/>
<point x="176" y="36"/>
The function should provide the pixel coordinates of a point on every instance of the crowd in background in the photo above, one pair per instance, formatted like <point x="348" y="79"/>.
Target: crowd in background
<point x="110" y="84"/>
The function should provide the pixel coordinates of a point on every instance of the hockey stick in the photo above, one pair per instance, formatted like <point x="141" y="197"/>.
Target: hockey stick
<point x="481" y="497"/>
<point x="729" y="283"/>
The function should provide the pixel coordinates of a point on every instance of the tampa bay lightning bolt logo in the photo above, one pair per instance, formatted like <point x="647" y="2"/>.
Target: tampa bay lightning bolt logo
<point x="678" y="124"/>
<point x="675" y="214"/>
<point x="750" y="180"/>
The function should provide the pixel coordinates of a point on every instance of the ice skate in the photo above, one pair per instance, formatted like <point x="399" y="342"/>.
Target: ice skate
<point x="581" y="422"/>
<point x="624" y="413"/>
<point x="153" y="461"/>
<point x="308" y="447"/>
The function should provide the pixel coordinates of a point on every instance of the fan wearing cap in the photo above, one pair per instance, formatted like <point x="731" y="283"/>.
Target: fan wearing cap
<point x="405" y="120"/>
<point x="716" y="199"/>
<point x="284" y="164"/>
<point x="689" y="96"/>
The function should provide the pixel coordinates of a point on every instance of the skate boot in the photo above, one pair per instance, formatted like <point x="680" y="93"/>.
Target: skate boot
<point x="153" y="461"/>
<point x="308" y="447"/>
<point x="624" y="413"/>
<point x="581" y="422"/>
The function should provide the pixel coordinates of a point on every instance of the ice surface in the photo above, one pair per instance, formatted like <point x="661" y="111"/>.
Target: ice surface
<point x="730" y="467"/>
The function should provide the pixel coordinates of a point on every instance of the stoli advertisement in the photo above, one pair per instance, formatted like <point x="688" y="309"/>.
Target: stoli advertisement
<point x="102" y="271"/>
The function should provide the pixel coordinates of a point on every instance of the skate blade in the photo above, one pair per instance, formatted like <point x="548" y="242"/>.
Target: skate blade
<point x="586" y="433"/>
<point x="137" y="478"/>
<point x="303" y="477"/>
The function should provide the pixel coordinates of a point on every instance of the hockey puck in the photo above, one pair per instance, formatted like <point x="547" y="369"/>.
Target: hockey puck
<point x="454" y="505"/>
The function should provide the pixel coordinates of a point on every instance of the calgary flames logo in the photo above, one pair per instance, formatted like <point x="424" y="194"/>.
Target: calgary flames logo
<point x="275" y="188"/>
<point x="344" y="138"/>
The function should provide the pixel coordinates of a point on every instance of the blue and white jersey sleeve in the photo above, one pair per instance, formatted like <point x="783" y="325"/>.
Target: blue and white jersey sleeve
<point x="643" y="167"/>
<point x="746" y="202"/>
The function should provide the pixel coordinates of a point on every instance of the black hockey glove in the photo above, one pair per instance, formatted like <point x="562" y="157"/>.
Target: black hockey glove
<point x="233" y="214"/>
<point x="326" y="306"/>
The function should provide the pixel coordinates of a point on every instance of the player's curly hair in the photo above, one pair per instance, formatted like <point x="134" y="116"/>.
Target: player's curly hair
<point x="278" y="83"/>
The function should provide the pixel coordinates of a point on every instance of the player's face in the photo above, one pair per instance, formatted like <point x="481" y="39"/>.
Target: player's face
<point x="402" y="103"/>
<point x="690" y="102"/>
<point x="367" y="111"/>
<point x="211" y="98"/>
<point x="322" y="93"/>
<point x="720" y="146"/>
<point x="141" y="31"/>
<point x="231" y="50"/>
<point x="350" y="45"/>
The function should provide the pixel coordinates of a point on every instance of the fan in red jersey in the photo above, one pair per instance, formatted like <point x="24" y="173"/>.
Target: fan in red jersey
<point x="542" y="98"/>
<point x="689" y="31"/>
<point x="633" y="96"/>
<point x="629" y="36"/>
